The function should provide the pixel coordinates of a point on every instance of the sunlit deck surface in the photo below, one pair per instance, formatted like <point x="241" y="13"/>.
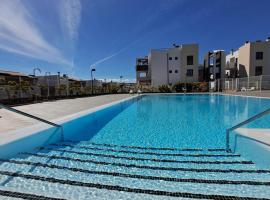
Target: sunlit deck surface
<point x="10" y="121"/>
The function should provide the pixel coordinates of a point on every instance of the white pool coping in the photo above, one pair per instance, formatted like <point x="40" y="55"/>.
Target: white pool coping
<point x="15" y="135"/>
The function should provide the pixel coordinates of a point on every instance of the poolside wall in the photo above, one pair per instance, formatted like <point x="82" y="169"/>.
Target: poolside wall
<point x="253" y="150"/>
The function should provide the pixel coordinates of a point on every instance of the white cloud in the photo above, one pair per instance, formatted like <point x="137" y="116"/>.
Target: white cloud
<point x="115" y="53"/>
<point x="18" y="34"/>
<point x="70" y="16"/>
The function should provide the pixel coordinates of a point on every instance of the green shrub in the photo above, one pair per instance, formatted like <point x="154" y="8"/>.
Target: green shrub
<point x="191" y="87"/>
<point x="164" y="89"/>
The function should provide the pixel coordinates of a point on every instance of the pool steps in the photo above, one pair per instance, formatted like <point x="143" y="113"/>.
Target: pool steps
<point x="107" y="169"/>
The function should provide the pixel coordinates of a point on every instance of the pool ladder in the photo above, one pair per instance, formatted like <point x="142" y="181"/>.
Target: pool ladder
<point x="34" y="117"/>
<point x="251" y="119"/>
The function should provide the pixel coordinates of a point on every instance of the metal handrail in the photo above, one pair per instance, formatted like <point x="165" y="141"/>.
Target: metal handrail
<point x="241" y="124"/>
<point x="33" y="117"/>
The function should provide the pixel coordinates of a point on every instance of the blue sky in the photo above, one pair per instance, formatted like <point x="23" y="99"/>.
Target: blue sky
<point x="71" y="35"/>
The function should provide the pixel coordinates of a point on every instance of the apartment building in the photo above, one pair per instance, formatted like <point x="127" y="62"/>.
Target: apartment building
<point x="214" y="65"/>
<point x="16" y="85"/>
<point x="251" y="59"/>
<point x="143" y="75"/>
<point x="231" y="70"/>
<point x="169" y="66"/>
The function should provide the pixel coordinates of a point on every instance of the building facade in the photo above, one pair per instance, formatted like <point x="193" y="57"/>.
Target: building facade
<point x="231" y="70"/>
<point x="143" y="74"/>
<point x="178" y="64"/>
<point x="214" y="65"/>
<point x="251" y="59"/>
<point x="254" y="59"/>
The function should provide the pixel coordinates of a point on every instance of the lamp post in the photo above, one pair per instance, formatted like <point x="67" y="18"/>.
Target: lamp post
<point x="121" y="86"/>
<point x="36" y="69"/>
<point x="48" y="88"/>
<point x="92" y="70"/>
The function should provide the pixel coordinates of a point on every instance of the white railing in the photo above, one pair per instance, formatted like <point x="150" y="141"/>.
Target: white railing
<point x="252" y="83"/>
<point x="251" y="119"/>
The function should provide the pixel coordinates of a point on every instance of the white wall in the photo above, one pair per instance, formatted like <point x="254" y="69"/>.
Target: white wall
<point x="174" y="65"/>
<point x="158" y="64"/>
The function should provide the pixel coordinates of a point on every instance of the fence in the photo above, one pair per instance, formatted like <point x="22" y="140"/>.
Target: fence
<point x="14" y="94"/>
<point x="252" y="83"/>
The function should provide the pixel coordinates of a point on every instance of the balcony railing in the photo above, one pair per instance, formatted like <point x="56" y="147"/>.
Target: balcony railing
<point x="142" y="68"/>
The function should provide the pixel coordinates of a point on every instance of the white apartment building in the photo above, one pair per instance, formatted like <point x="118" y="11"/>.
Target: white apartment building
<point x="178" y="64"/>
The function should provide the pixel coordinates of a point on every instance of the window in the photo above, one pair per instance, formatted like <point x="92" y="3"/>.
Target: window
<point x="142" y="74"/>
<point x="170" y="58"/>
<point x="217" y="75"/>
<point x="176" y="71"/>
<point x="170" y="71"/>
<point x="189" y="60"/>
<point x="190" y="72"/>
<point x="175" y="58"/>
<point x="259" y="55"/>
<point x="258" y="70"/>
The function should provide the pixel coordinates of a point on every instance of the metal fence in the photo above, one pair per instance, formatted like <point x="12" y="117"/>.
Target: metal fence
<point x="252" y="83"/>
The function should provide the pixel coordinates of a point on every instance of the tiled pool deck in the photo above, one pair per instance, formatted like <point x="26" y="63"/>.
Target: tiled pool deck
<point x="10" y="121"/>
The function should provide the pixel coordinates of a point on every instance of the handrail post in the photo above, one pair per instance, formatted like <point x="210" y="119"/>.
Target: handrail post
<point x="228" y="140"/>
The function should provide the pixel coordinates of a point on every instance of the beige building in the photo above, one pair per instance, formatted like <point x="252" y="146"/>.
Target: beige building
<point x="254" y="59"/>
<point x="169" y="66"/>
<point x="231" y="70"/>
<point x="251" y="59"/>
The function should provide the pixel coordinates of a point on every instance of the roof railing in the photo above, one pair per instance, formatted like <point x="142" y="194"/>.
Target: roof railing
<point x="251" y="119"/>
<point x="33" y="117"/>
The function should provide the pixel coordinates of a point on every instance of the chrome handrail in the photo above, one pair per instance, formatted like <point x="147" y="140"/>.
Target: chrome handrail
<point x="241" y="124"/>
<point x="33" y="117"/>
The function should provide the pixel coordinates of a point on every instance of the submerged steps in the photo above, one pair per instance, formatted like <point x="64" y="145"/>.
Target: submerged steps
<point x="149" y="153"/>
<point x="110" y="171"/>
<point x="72" y="143"/>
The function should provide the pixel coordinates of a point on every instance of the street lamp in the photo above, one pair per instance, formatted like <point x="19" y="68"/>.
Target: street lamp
<point x="92" y="70"/>
<point x="36" y="69"/>
<point x="48" y="87"/>
<point x="121" y="86"/>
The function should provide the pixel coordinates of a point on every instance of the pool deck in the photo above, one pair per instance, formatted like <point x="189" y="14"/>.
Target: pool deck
<point x="52" y="110"/>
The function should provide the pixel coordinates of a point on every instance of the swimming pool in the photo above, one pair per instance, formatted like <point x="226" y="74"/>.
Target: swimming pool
<point x="149" y="147"/>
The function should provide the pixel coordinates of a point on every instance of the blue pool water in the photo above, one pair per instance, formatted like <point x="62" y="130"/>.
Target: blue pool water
<point x="150" y="147"/>
<point x="195" y="121"/>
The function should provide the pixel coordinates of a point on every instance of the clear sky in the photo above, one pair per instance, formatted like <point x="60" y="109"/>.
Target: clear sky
<point x="71" y="35"/>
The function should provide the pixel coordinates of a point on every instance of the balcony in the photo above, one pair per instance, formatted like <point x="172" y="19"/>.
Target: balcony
<point x="144" y="80"/>
<point x="142" y="68"/>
